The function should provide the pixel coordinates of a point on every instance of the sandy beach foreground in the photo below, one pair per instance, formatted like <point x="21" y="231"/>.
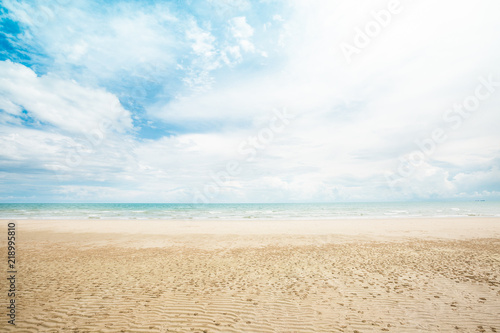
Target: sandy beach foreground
<point x="409" y="275"/>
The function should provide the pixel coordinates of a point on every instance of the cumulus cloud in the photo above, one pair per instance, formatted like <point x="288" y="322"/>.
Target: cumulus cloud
<point x="61" y="103"/>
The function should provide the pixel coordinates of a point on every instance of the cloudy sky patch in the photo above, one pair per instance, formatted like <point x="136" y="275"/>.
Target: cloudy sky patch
<point x="240" y="101"/>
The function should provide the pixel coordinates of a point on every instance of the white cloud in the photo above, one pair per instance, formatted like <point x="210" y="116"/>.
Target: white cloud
<point x="247" y="46"/>
<point x="228" y="7"/>
<point x="62" y="103"/>
<point x="104" y="41"/>
<point x="278" y="18"/>
<point x="203" y="45"/>
<point x="240" y="28"/>
<point x="242" y="32"/>
<point x="202" y="41"/>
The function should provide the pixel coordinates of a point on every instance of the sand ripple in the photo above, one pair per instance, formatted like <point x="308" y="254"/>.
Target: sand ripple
<point x="411" y="286"/>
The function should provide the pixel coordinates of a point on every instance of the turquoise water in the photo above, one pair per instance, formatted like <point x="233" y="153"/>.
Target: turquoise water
<point x="249" y="211"/>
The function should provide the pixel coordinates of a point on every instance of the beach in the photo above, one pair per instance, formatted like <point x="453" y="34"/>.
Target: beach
<point x="352" y="275"/>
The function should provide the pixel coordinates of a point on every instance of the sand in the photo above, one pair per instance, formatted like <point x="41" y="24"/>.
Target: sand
<point x="411" y="275"/>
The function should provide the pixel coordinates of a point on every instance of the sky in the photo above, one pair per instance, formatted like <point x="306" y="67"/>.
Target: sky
<point x="249" y="101"/>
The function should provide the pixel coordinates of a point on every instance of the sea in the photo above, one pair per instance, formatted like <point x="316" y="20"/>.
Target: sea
<point x="274" y="211"/>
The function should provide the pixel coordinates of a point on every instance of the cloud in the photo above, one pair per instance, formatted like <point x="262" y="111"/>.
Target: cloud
<point x="349" y="116"/>
<point x="102" y="39"/>
<point x="242" y="31"/>
<point x="202" y="41"/>
<point x="240" y="28"/>
<point x="61" y="103"/>
<point x="228" y="7"/>
<point x="206" y="81"/>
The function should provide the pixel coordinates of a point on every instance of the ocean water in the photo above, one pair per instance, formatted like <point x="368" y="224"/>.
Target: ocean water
<point x="248" y="211"/>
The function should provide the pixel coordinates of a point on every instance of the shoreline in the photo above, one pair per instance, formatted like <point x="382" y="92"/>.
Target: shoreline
<point x="346" y="218"/>
<point x="477" y="226"/>
<point x="230" y="234"/>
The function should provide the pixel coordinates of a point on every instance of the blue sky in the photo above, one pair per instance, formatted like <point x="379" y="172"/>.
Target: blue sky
<point x="249" y="101"/>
